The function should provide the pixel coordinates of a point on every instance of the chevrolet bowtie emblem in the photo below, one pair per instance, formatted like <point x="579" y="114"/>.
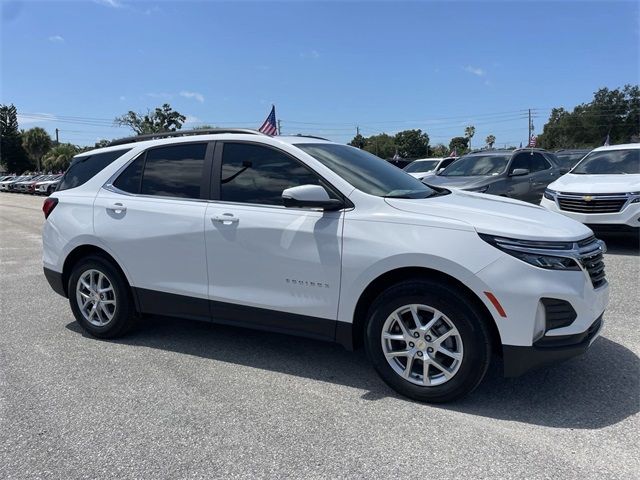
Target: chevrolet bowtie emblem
<point x="587" y="198"/>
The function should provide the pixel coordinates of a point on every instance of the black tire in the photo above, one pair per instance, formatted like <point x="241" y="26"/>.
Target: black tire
<point x="124" y="313"/>
<point x="459" y="310"/>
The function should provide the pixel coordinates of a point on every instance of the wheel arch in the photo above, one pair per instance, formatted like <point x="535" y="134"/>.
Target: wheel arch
<point x="86" y="250"/>
<point x="351" y="335"/>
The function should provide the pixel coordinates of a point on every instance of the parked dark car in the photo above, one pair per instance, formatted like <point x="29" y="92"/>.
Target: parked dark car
<point x="567" y="159"/>
<point x="522" y="174"/>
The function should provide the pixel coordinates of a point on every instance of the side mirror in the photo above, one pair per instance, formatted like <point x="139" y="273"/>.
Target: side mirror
<point x="310" y="196"/>
<point x="518" y="172"/>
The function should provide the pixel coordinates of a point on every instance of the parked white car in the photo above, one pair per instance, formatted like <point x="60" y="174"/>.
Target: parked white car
<point x="422" y="167"/>
<point x="47" y="187"/>
<point x="304" y="236"/>
<point x="602" y="191"/>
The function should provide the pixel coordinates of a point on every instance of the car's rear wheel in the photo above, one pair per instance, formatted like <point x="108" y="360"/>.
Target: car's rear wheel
<point x="100" y="298"/>
<point x="427" y="341"/>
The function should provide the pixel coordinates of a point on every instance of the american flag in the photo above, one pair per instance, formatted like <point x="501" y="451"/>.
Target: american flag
<point x="269" y="126"/>
<point x="532" y="141"/>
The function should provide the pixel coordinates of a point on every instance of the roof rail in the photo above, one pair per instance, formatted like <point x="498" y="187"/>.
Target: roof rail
<point x="182" y="133"/>
<point x="307" y="136"/>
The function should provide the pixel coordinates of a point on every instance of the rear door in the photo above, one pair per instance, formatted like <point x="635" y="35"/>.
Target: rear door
<point x="152" y="220"/>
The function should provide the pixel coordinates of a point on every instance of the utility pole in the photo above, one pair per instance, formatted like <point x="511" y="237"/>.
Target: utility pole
<point x="357" y="130"/>
<point x="529" y="136"/>
<point x="279" y="128"/>
<point x="57" y="141"/>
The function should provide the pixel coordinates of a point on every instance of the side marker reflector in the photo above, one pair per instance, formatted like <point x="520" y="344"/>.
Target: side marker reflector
<point x="492" y="298"/>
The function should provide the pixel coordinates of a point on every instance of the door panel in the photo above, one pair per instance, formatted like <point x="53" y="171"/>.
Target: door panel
<point x="160" y="241"/>
<point x="274" y="258"/>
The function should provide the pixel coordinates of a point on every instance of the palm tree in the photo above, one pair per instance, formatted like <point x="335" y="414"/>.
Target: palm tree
<point x="469" y="132"/>
<point x="491" y="139"/>
<point x="36" y="141"/>
<point x="59" y="157"/>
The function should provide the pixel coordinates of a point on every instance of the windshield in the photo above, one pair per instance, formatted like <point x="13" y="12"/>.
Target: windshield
<point x="568" y="160"/>
<point x="477" y="166"/>
<point x="421" y="166"/>
<point x="609" y="162"/>
<point x="366" y="172"/>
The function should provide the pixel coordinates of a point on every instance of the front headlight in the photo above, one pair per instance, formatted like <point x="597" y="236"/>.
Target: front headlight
<point x="547" y="255"/>
<point x="478" y="189"/>
<point x="550" y="194"/>
<point x="635" y="197"/>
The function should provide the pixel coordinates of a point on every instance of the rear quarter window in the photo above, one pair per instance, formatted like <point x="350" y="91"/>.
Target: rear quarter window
<point x="85" y="167"/>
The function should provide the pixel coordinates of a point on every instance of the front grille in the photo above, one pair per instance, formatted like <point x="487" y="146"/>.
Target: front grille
<point x="584" y="203"/>
<point x="592" y="260"/>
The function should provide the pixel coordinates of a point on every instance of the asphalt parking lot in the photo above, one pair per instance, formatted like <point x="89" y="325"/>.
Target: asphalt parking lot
<point x="180" y="399"/>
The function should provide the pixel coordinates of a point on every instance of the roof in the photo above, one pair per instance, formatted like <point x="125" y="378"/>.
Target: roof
<point x="181" y="136"/>
<point x="624" y="146"/>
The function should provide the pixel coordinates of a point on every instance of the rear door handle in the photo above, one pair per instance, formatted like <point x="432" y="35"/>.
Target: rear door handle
<point x="226" y="219"/>
<point x="117" y="207"/>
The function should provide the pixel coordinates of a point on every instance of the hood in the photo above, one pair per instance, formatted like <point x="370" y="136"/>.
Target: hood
<point x="497" y="216"/>
<point x="571" y="183"/>
<point x="420" y="175"/>
<point x="458" y="182"/>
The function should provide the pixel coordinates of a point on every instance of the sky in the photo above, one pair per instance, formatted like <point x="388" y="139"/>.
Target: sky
<point x="329" y="67"/>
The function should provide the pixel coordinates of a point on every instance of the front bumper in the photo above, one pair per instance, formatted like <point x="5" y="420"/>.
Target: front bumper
<point x="629" y="216"/>
<point x="548" y="350"/>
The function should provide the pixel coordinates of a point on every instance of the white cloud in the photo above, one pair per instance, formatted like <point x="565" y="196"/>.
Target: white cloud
<point x="110" y="3"/>
<point x="56" y="39"/>
<point x="475" y="71"/>
<point x="194" y="95"/>
<point x="311" y="54"/>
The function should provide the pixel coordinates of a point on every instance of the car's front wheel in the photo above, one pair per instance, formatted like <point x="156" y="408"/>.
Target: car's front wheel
<point x="427" y="342"/>
<point x="100" y="298"/>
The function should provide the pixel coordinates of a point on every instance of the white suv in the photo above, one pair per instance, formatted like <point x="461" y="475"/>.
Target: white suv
<point x="304" y="236"/>
<point x="602" y="190"/>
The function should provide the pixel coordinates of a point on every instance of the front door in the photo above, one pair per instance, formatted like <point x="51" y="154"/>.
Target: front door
<point x="269" y="266"/>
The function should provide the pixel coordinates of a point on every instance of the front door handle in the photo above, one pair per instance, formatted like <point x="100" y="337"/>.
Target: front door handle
<point x="225" y="219"/>
<point x="117" y="207"/>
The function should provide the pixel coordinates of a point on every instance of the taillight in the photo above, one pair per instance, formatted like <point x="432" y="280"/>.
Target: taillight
<point x="48" y="206"/>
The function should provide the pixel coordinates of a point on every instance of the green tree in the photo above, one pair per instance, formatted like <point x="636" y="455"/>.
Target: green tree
<point x="36" y="142"/>
<point x="102" y="143"/>
<point x="162" y="119"/>
<point x="615" y="113"/>
<point x="412" y="143"/>
<point x="459" y="144"/>
<point x="469" y="132"/>
<point x="440" y="150"/>
<point x="491" y="140"/>
<point x="59" y="157"/>
<point x="358" y="141"/>
<point x="12" y="154"/>
<point x="382" y="145"/>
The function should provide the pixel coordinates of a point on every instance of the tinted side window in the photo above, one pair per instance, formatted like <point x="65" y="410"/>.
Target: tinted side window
<point x="83" y="168"/>
<point x="174" y="171"/>
<point x="256" y="174"/>
<point x="538" y="162"/>
<point x="129" y="179"/>
<point x="446" y="163"/>
<point x="522" y="160"/>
